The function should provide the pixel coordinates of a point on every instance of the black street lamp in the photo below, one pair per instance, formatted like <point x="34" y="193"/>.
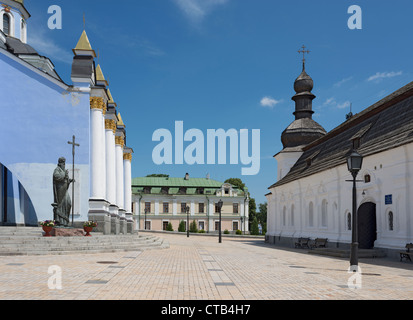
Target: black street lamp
<point x="146" y="211"/>
<point x="187" y="221"/>
<point x="220" y="203"/>
<point x="354" y="163"/>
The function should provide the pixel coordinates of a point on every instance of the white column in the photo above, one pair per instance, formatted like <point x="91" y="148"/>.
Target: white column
<point x="127" y="170"/>
<point x="110" y="126"/>
<point x="97" y="150"/>
<point x="174" y="207"/>
<point x="119" y="140"/>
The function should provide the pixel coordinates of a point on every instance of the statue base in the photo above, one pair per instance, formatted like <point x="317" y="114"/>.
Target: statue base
<point x="67" y="232"/>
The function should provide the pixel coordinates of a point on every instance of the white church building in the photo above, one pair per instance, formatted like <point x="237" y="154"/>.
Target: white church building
<point x="312" y="197"/>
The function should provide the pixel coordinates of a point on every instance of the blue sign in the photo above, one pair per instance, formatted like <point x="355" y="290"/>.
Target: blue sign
<point x="388" y="199"/>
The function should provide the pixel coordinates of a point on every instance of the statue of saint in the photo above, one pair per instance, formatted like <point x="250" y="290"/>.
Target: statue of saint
<point x="62" y="202"/>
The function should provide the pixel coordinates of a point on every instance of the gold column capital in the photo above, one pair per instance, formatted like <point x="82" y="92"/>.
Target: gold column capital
<point x="97" y="103"/>
<point x="119" y="141"/>
<point x="110" y="125"/>
<point x="127" y="156"/>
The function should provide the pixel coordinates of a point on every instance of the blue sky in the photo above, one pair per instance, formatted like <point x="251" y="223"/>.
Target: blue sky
<point x="230" y="64"/>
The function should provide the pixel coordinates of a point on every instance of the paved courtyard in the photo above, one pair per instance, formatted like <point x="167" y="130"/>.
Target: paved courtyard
<point x="199" y="268"/>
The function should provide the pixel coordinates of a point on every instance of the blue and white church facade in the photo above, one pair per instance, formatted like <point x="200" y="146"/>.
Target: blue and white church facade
<point x="41" y="114"/>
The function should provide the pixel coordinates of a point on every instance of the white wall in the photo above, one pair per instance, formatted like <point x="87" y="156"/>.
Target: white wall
<point x="391" y="173"/>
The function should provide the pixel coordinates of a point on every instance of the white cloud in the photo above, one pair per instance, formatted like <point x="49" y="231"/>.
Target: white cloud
<point x="331" y="102"/>
<point x="45" y="46"/>
<point x="196" y="10"/>
<point x="269" y="102"/>
<point x="382" y="75"/>
<point x="341" y="82"/>
<point x="343" y="105"/>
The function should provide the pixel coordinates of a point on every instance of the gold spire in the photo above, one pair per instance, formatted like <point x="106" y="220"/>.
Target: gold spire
<point x="111" y="101"/>
<point x="120" y="121"/>
<point x="84" y="44"/>
<point x="99" y="75"/>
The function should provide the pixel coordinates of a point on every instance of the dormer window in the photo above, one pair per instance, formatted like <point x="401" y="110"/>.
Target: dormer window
<point x="147" y="190"/>
<point x="356" y="143"/>
<point x="356" y="139"/>
<point x="6" y="24"/>
<point x="311" y="158"/>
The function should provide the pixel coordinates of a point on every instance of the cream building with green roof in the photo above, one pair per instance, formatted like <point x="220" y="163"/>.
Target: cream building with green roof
<point x="159" y="201"/>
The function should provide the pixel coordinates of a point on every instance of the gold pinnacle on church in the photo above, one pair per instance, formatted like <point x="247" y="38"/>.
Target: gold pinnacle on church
<point x="84" y="44"/>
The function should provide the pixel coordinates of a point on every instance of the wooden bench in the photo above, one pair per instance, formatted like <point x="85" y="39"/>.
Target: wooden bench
<point x="319" y="243"/>
<point x="406" y="254"/>
<point x="302" y="243"/>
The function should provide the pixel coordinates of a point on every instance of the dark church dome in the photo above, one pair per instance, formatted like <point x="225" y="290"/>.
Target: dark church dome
<point x="303" y="83"/>
<point x="303" y="130"/>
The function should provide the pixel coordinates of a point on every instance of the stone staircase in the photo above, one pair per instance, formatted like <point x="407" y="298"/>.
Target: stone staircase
<point x="30" y="241"/>
<point x="345" y="253"/>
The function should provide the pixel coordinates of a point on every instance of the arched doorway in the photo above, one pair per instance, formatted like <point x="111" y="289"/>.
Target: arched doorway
<point x="16" y="207"/>
<point x="367" y="225"/>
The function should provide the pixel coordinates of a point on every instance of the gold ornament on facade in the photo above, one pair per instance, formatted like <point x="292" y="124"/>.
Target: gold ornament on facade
<point x="119" y="141"/>
<point x="97" y="103"/>
<point x="127" y="156"/>
<point x="110" y="125"/>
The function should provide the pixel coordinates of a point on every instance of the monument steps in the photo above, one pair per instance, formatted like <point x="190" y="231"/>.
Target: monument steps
<point x="30" y="241"/>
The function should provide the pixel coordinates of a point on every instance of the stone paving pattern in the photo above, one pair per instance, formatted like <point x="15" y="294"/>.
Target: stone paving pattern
<point x="199" y="268"/>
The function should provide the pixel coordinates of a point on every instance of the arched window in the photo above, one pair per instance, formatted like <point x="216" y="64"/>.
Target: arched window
<point x="284" y="216"/>
<point x="311" y="214"/>
<point x="6" y="24"/>
<point x="390" y="219"/>
<point x="349" y="221"/>
<point x="324" y="213"/>
<point x="23" y="31"/>
<point x="292" y="215"/>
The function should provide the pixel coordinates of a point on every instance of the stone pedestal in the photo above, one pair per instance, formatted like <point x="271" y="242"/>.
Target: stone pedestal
<point x="123" y="225"/>
<point x="114" y="217"/>
<point x="115" y="224"/>
<point x="129" y="223"/>
<point x="99" y="212"/>
<point x="67" y="232"/>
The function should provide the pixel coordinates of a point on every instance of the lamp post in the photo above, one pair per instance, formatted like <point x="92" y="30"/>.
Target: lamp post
<point x="187" y="221"/>
<point x="220" y="203"/>
<point x="354" y="163"/>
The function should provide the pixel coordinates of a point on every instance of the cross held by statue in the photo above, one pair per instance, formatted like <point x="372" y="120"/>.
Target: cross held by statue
<point x="74" y="145"/>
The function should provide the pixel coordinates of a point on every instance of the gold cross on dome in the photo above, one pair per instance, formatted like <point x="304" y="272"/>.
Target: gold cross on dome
<point x="303" y="51"/>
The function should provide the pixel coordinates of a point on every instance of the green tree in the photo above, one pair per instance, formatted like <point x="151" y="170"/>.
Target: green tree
<point x="254" y="227"/>
<point x="169" y="227"/>
<point x="181" y="227"/>
<point x="262" y="216"/>
<point x="237" y="182"/>
<point x="193" y="227"/>
<point x="252" y="211"/>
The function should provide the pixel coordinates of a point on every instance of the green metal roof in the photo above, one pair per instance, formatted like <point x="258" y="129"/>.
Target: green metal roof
<point x="176" y="182"/>
<point x="173" y="185"/>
